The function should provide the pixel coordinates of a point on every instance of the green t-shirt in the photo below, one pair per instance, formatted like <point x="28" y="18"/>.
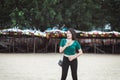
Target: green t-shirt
<point x="70" y="50"/>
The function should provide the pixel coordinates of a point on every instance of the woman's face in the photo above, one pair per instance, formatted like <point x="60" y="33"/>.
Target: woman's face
<point x="69" y="35"/>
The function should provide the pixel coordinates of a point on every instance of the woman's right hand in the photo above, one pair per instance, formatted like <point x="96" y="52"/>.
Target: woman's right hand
<point x="61" y="49"/>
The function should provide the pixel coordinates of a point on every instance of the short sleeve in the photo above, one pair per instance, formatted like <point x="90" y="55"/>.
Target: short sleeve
<point x="62" y="42"/>
<point x="78" y="46"/>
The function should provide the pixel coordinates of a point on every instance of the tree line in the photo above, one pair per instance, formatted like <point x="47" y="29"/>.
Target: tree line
<point x="41" y="14"/>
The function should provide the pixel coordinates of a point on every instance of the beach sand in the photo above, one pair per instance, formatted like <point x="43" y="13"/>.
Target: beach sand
<point x="43" y="66"/>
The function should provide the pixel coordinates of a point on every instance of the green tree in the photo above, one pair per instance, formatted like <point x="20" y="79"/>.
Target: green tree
<point x="112" y="12"/>
<point x="79" y="14"/>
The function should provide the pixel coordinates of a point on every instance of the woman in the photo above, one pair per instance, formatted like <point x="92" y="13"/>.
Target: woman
<point x="69" y="46"/>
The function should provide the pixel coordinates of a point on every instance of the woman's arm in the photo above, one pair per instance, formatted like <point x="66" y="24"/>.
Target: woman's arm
<point x="80" y="52"/>
<point x="61" y="49"/>
<point x="76" y="55"/>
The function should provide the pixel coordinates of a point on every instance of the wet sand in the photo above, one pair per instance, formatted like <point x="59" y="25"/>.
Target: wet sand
<point x="44" y="67"/>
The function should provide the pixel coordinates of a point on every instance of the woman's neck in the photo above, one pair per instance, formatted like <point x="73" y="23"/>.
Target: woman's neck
<point x="69" y="39"/>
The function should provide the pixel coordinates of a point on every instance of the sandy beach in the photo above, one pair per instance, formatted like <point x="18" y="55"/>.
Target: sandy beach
<point x="43" y="66"/>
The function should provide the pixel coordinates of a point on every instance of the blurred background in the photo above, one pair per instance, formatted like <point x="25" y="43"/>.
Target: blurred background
<point x="38" y="25"/>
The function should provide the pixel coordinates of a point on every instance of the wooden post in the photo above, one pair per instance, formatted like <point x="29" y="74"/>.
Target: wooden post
<point x="13" y="41"/>
<point x="34" y="45"/>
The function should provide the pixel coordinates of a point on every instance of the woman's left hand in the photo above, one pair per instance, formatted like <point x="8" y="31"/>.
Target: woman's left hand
<point x="72" y="58"/>
<point x="75" y="56"/>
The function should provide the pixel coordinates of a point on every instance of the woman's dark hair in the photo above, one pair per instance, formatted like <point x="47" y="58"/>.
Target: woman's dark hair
<point x="73" y="33"/>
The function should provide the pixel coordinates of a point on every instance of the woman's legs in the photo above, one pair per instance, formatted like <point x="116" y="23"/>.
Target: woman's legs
<point x="65" y="67"/>
<point x="73" y="65"/>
